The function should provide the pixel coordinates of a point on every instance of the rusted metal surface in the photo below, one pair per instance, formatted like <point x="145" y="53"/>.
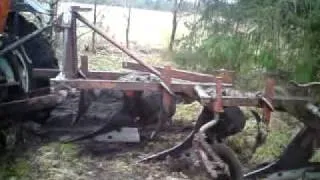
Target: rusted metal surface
<point x="167" y="102"/>
<point x="185" y="75"/>
<point x="269" y="93"/>
<point x="28" y="105"/>
<point x="84" y="64"/>
<point x="277" y="101"/>
<point x="76" y="15"/>
<point x="121" y="85"/>
<point x="104" y="75"/>
<point x="106" y="84"/>
<point x="166" y="97"/>
<point x="218" y="103"/>
<point x="70" y="61"/>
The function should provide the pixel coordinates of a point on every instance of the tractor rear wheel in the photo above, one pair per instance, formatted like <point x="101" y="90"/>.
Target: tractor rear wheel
<point x="39" y="53"/>
<point x="38" y="49"/>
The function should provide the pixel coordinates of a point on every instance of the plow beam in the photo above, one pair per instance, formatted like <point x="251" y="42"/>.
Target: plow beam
<point x="29" y="105"/>
<point x="185" y="75"/>
<point x="126" y="85"/>
<point x="278" y="102"/>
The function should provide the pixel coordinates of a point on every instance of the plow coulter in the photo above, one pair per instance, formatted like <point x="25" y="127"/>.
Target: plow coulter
<point x="119" y="106"/>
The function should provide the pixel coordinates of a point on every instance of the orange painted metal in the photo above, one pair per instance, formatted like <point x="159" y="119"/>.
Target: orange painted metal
<point x="227" y="76"/>
<point x="269" y="94"/>
<point x="166" y="97"/>
<point x="218" y="103"/>
<point x="4" y="10"/>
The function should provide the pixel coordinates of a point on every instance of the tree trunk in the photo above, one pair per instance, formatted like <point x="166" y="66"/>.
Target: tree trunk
<point x="128" y="4"/>
<point x="174" y="24"/>
<point x="93" y="42"/>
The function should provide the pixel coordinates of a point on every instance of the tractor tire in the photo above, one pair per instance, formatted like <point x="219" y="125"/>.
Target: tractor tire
<point x="38" y="49"/>
<point x="230" y="158"/>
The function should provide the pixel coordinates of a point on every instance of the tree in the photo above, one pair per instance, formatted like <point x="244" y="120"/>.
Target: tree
<point x="93" y="41"/>
<point x="175" y="11"/>
<point x="254" y="35"/>
<point x="128" y="4"/>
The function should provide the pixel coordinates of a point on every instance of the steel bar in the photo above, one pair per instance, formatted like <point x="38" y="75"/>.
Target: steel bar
<point x="125" y="50"/>
<point x="23" y="40"/>
<point x="124" y="85"/>
<point x="277" y="101"/>
<point x="185" y="75"/>
<point x="52" y="73"/>
<point x="106" y="84"/>
<point x="47" y="73"/>
<point x="104" y="75"/>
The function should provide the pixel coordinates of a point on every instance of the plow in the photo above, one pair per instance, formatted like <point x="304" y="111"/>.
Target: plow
<point x="148" y="95"/>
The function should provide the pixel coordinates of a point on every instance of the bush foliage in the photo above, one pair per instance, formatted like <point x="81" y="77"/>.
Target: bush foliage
<point x="255" y="36"/>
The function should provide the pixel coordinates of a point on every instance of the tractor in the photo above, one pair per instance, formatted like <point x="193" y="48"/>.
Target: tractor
<point x="16" y="64"/>
<point x="24" y="47"/>
<point x="18" y="57"/>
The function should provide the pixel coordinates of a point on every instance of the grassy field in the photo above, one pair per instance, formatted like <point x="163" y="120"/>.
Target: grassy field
<point x="56" y="161"/>
<point x="148" y="28"/>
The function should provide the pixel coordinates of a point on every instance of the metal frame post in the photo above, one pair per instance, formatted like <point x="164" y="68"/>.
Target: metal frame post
<point x="70" y="62"/>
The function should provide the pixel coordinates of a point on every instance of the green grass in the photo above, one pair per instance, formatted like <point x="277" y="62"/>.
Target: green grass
<point x="188" y="112"/>
<point x="103" y="62"/>
<point x="53" y="161"/>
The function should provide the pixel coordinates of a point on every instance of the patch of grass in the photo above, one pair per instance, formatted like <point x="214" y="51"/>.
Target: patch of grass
<point x="188" y="112"/>
<point x="15" y="169"/>
<point x="103" y="62"/>
<point x="282" y="127"/>
<point x="59" y="161"/>
<point x="243" y="142"/>
<point x="275" y="144"/>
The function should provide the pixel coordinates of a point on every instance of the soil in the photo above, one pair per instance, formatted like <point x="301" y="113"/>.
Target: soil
<point x="47" y="158"/>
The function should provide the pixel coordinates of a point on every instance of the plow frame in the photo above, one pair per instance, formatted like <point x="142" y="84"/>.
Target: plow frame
<point x="75" y="74"/>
